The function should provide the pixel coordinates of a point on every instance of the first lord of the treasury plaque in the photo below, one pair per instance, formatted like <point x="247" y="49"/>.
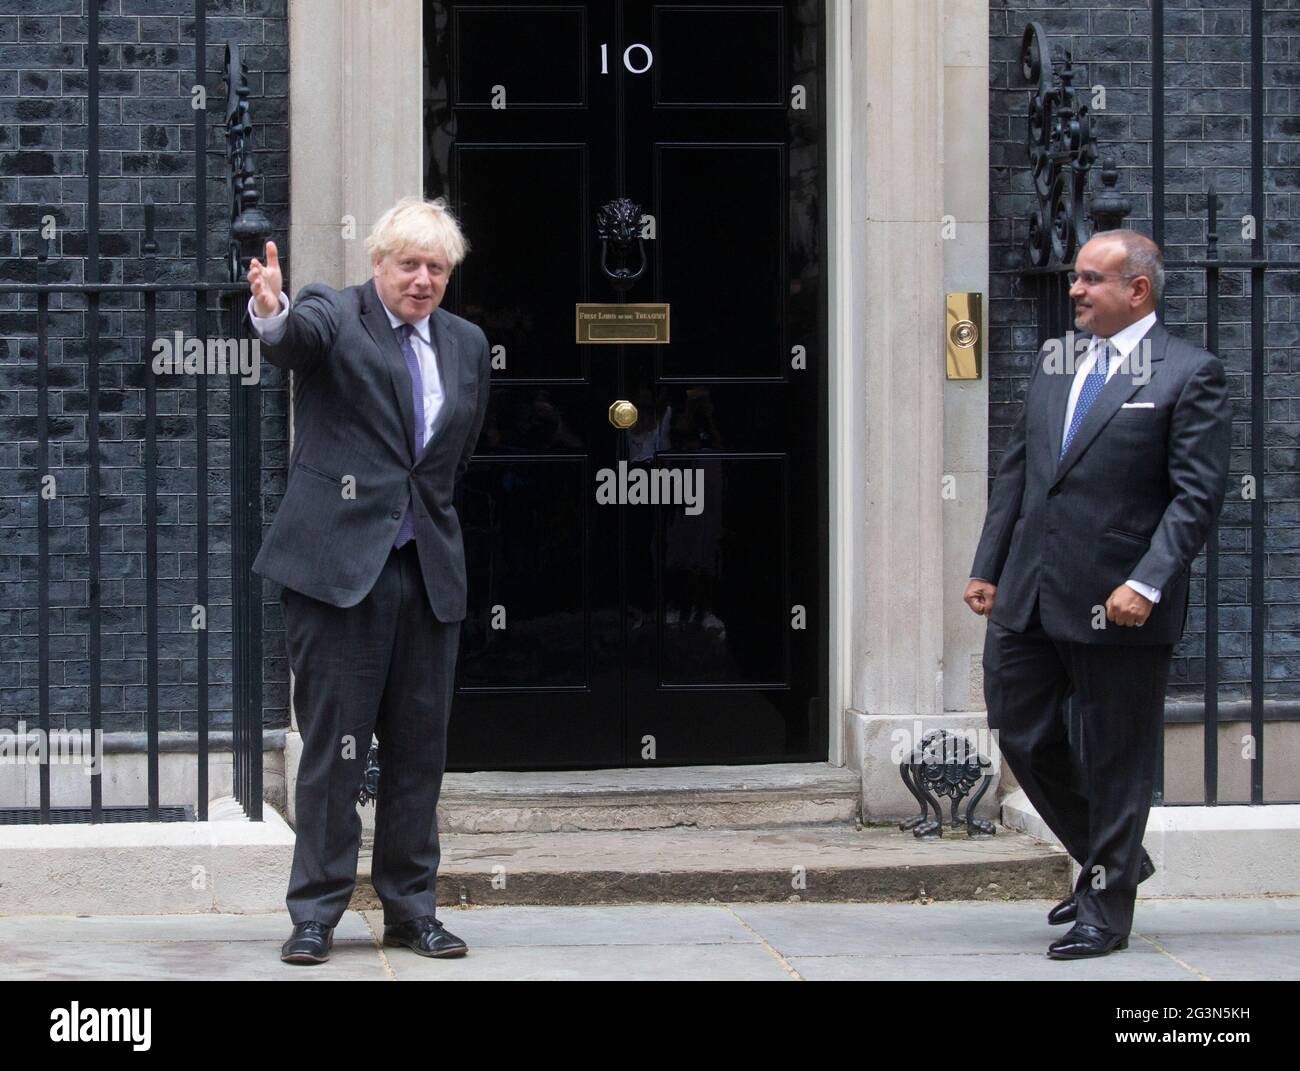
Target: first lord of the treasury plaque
<point x="622" y="324"/>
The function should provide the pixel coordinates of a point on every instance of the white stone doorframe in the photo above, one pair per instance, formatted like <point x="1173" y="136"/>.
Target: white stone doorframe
<point x="897" y="72"/>
<point x="909" y="141"/>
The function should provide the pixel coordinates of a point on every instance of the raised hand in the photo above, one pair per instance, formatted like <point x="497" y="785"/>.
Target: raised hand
<point x="265" y="281"/>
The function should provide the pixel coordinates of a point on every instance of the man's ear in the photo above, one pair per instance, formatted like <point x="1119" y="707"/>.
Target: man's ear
<point x="1141" y="291"/>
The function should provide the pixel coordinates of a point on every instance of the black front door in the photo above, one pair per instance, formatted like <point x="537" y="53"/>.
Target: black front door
<point x="655" y="594"/>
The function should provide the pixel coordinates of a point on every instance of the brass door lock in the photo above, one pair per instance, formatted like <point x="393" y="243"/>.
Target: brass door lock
<point x="622" y="414"/>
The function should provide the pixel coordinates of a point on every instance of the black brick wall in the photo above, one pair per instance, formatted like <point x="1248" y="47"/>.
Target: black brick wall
<point x="146" y="149"/>
<point x="1207" y="141"/>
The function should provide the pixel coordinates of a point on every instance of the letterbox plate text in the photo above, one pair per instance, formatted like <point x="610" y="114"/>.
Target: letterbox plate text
<point x="622" y="325"/>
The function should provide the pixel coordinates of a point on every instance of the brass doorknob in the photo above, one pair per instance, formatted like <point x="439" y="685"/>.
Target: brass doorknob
<point x="622" y="414"/>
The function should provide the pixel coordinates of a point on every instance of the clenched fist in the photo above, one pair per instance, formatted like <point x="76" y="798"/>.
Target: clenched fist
<point x="1126" y="607"/>
<point x="979" y="596"/>
<point x="265" y="282"/>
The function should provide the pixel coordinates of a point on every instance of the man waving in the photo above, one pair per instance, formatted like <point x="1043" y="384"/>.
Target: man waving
<point x="389" y="399"/>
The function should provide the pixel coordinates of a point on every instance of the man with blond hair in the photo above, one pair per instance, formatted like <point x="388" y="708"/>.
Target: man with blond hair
<point x="390" y="394"/>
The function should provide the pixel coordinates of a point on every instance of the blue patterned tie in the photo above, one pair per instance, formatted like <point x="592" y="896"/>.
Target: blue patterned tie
<point x="407" y="529"/>
<point x="1088" y="394"/>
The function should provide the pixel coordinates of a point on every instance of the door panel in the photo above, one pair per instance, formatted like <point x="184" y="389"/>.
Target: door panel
<point x="725" y="585"/>
<point x="526" y="264"/>
<point x="721" y="227"/>
<point x="535" y="52"/>
<point x="633" y="632"/>
<point x="713" y="55"/>
<point x="546" y="638"/>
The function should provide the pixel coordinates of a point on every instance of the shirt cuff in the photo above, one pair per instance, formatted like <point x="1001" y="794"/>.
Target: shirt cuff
<point x="270" y="328"/>
<point x="1145" y="590"/>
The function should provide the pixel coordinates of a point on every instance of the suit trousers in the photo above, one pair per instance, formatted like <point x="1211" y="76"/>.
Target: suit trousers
<point x="387" y="666"/>
<point x="1097" y="807"/>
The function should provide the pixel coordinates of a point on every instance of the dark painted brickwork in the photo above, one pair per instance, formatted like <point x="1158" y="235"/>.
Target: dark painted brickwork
<point x="146" y="149"/>
<point x="1207" y="132"/>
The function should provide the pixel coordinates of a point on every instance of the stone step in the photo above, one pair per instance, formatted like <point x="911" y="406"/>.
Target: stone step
<point x="813" y="863"/>
<point x="703" y="797"/>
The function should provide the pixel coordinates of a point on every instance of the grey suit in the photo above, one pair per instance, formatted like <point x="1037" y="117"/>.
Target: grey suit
<point x="354" y="416"/>
<point x="372" y="631"/>
<point x="1133" y="498"/>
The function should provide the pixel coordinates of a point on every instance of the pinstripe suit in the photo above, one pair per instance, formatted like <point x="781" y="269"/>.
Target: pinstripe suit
<point x="1133" y="497"/>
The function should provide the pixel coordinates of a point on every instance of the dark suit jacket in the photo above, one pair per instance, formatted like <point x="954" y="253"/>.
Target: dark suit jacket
<point x="1134" y="498"/>
<point x="354" y="416"/>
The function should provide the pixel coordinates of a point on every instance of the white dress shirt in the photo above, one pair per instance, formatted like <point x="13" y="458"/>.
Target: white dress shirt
<point x="271" y="328"/>
<point x="1122" y="344"/>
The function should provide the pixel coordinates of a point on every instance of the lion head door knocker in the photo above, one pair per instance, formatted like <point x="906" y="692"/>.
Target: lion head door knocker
<point x="618" y="226"/>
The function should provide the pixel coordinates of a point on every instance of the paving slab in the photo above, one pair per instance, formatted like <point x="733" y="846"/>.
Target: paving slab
<point x="657" y="962"/>
<point x="1117" y="967"/>
<point x="212" y="926"/>
<point x="977" y="940"/>
<point x="1159" y="918"/>
<point x="918" y="930"/>
<point x="626" y="924"/>
<point x="224" y="960"/>
<point x="1236" y="956"/>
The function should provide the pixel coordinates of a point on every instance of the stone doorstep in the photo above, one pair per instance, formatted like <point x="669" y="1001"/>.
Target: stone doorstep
<point x="839" y="863"/>
<point x="705" y="797"/>
<point x="226" y="864"/>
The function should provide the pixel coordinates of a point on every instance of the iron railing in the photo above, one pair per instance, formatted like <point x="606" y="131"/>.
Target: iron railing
<point x="1061" y="153"/>
<point x="248" y="231"/>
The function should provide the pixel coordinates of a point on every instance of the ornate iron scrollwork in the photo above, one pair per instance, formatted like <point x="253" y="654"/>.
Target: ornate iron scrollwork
<point x="249" y="226"/>
<point x="618" y="226"/>
<point x="1061" y="150"/>
<point x="946" y="764"/>
<point x="1109" y="207"/>
<point x="370" y="780"/>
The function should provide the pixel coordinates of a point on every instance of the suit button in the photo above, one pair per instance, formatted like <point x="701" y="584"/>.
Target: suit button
<point x="396" y="515"/>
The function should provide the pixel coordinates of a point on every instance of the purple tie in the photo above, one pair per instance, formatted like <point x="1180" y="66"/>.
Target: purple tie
<point x="407" y="529"/>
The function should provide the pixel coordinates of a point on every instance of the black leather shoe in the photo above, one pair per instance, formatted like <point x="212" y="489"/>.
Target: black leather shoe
<point x="1067" y="909"/>
<point x="1063" y="912"/>
<point x="1146" y="868"/>
<point x="310" y="942"/>
<point x="425" y="935"/>
<point x="1084" y="941"/>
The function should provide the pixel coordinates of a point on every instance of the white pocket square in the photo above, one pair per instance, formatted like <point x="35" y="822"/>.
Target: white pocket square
<point x="1138" y="405"/>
